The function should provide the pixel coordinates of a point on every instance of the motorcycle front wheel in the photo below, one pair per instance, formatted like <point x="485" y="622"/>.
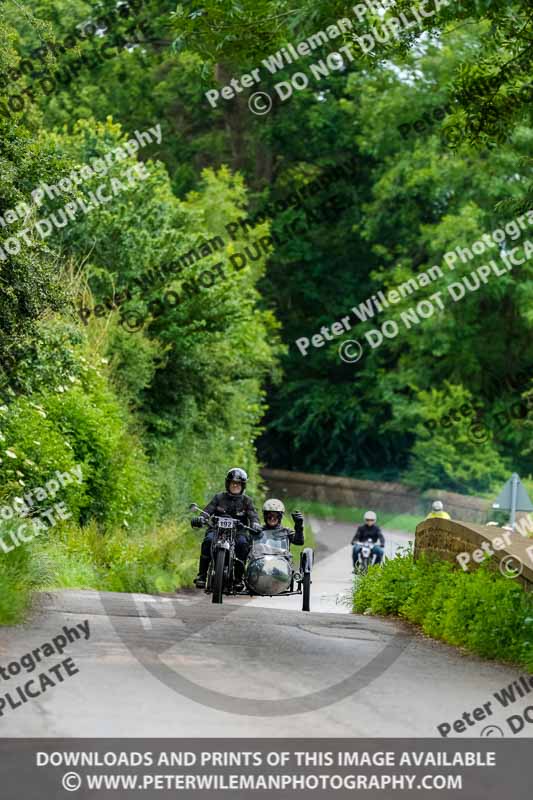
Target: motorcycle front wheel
<point x="218" y="576"/>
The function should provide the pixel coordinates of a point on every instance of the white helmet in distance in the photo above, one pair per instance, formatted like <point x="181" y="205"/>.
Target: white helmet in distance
<point x="437" y="506"/>
<point x="370" y="516"/>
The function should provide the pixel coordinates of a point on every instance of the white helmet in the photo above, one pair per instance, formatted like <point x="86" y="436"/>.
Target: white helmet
<point x="370" y="515"/>
<point x="437" y="506"/>
<point x="273" y="506"/>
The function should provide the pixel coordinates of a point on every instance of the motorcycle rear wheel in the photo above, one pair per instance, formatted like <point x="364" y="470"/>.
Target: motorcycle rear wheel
<point x="218" y="577"/>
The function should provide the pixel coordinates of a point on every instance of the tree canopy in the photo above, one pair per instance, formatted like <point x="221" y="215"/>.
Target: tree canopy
<point x="391" y="158"/>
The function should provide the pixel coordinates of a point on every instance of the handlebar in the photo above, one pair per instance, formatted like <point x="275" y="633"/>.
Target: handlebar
<point x="211" y="519"/>
<point x="247" y="528"/>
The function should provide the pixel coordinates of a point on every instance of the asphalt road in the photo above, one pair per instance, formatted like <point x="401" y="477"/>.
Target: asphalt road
<point x="180" y="666"/>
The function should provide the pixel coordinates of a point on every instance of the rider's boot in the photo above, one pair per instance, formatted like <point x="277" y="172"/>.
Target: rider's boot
<point x="238" y="571"/>
<point x="201" y="578"/>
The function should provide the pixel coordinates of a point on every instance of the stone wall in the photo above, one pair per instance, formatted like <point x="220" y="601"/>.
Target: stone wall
<point x="379" y="495"/>
<point x="445" y="539"/>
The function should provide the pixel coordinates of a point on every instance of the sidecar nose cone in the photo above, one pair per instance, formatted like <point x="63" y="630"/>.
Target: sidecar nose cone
<point x="269" y="575"/>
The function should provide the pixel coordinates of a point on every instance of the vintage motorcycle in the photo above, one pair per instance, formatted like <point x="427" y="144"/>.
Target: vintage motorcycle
<point x="270" y="571"/>
<point x="365" y="558"/>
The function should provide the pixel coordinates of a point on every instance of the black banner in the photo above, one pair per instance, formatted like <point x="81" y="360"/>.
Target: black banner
<point x="476" y="769"/>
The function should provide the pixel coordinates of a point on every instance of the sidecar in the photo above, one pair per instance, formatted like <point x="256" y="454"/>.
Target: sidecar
<point x="271" y="572"/>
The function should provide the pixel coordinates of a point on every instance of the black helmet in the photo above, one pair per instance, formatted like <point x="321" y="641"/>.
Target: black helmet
<point x="237" y="474"/>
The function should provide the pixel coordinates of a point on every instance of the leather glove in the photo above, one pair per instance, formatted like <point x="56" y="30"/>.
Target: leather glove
<point x="196" y="522"/>
<point x="257" y="527"/>
<point x="298" y="519"/>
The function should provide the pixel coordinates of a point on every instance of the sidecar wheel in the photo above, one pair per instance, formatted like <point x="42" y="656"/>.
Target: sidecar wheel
<point x="306" y="560"/>
<point x="306" y="586"/>
<point x="218" y="577"/>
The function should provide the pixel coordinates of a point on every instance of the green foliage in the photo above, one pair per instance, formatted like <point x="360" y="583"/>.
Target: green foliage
<point x="481" y="611"/>
<point x="133" y="363"/>
<point x="33" y="448"/>
<point x="411" y="201"/>
<point x="21" y="572"/>
<point x="185" y="391"/>
<point x="158" y="560"/>
<point x="155" y="418"/>
<point x="79" y="423"/>
<point x="115" y="467"/>
<point x="234" y="32"/>
<point x="451" y="454"/>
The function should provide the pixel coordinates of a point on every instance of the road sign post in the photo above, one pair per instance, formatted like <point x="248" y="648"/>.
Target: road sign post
<point x="513" y="497"/>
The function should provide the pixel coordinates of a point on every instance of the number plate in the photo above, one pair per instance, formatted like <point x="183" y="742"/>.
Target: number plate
<point x="225" y="523"/>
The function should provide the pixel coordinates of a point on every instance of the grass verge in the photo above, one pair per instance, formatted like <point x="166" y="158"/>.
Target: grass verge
<point x="353" y="515"/>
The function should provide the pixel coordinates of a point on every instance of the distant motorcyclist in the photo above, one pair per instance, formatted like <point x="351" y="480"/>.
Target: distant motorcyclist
<point x="231" y="503"/>
<point x="273" y="511"/>
<point x="365" y="532"/>
<point x="437" y="511"/>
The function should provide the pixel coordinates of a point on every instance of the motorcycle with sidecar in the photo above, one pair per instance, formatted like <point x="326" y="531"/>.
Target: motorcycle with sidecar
<point x="270" y="570"/>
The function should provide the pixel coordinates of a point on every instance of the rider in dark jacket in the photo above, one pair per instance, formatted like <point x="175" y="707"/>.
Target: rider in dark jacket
<point x="368" y="531"/>
<point x="273" y="511"/>
<point x="232" y="503"/>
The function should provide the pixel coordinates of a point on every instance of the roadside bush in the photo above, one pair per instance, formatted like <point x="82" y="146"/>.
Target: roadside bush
<point x="384" y="590"/>
<point x="81" y="423"/>
<point x="21" y="572"/>
<point x="481" y="611"/>
<point x="32" y="449"/>
<point x="161" y="560"/>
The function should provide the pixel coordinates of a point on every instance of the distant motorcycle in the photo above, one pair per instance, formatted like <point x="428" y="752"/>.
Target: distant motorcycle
<point x="365" y="557"/>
